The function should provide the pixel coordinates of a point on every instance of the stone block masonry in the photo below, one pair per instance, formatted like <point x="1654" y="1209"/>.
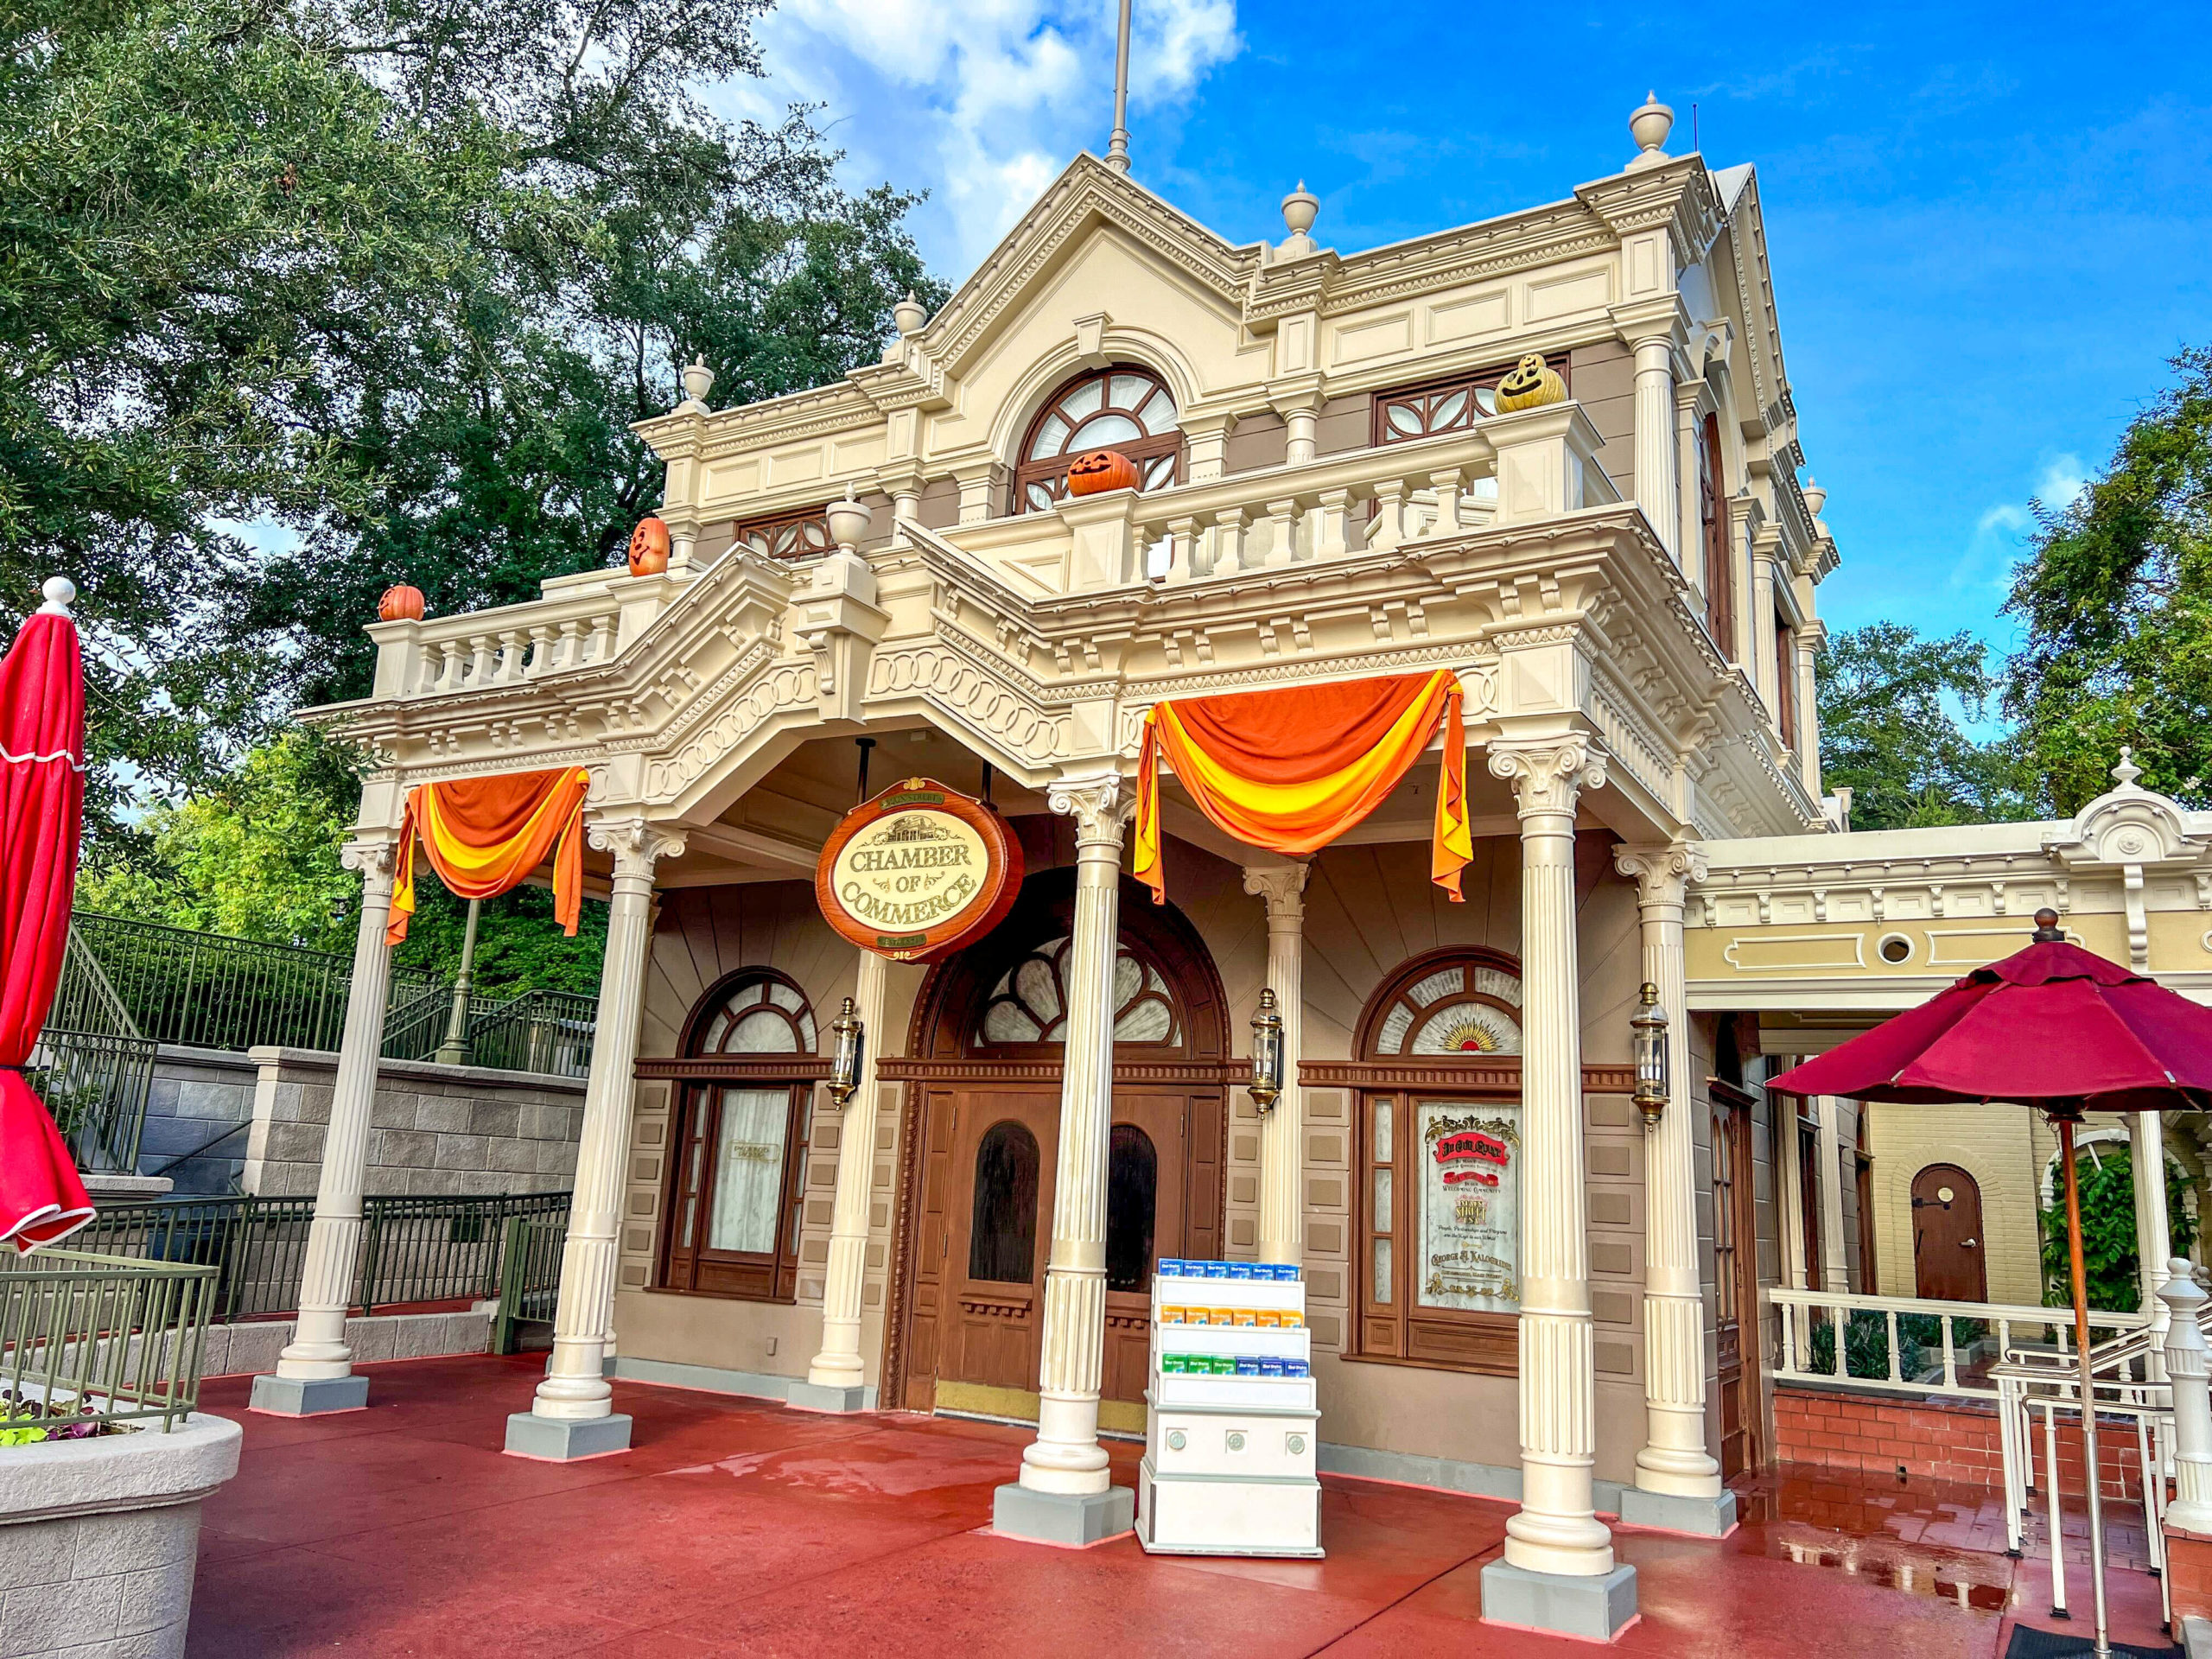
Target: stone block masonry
<point x="198" y="1097"/>
<point x="462" y="1131"/>
<point x="1945" y="1440"/>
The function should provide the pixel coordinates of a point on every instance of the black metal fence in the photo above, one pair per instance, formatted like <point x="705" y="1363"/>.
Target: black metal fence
<point x="413" y="1249"/>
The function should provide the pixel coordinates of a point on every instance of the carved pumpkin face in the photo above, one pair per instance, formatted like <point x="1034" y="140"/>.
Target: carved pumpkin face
<point x="1530" y="384"/>
<point x="1101" y="470"/>
<point x="649" y="547"/>
<point x="401" y="604"/>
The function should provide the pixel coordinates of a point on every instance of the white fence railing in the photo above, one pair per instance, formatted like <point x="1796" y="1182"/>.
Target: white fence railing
<point x="1904" y="1343"/>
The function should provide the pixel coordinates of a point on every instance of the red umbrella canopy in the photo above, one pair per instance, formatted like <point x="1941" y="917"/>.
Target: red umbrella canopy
<point x="41" y="810"/>
<point x="2054" y="1024"/>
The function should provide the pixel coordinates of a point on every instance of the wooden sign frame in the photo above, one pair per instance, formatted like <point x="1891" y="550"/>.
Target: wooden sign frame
<point x="995" y="892"/>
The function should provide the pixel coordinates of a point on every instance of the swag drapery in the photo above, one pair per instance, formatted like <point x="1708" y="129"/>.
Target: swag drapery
<point x="1292" y="770"/>
<point x="485" y="836"/>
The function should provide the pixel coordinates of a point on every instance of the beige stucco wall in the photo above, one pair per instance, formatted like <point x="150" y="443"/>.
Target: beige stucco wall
<point x="1993" y="1144"/>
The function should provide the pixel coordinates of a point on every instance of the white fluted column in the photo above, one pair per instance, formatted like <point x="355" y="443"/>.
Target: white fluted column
<point x="1677" y="1479"/>
<point x="1555" y="1533"/>
<point x="2188" y="1363"/>
<point x="2153" y="1231"/>
<point x="1282" y="1131"/>
<point x="1835" y="1250"/>
<point x="315" y="1373"/>
<point x="1658" y="489"/>
<point x="1065" y="1494"/>
<point x="1807" y="639"/>
<point x="1764" y="643"/>
<point x="834" y="1382"/>
<point x="572" y="1414"/>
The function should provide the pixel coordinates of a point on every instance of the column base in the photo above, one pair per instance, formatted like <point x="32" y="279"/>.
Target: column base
<point x="564" y="1439"/>
<point x="821" y="1396"/>
<point x="1595" y="1609"/>
<point x="1071" y="1518"/>
<point x="309" y="1396"/>
<point x="1705" y="1518"/>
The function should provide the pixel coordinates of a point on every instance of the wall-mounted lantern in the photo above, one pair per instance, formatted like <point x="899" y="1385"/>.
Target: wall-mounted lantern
<point x="845" y="1067"/>
<point x="1267" y="1052"/>
<point x="1649" y="1025"/>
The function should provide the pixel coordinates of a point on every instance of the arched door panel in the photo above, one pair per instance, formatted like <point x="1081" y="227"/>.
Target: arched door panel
<point x="1948" y="1263"/>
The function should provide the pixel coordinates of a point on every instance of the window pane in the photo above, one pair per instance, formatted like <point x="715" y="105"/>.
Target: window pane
<point x="1002" y="1223"/>
<point x="749" y="1170"/>
<point x="1050" y="438"/>
<point x="1158" y="413"/>
<point x="1128" y="390"/>
<point x="1381" y="1289"/>
<point x="1468" y="1028"/>
<point x="1382" y="1200"/>
<point x="1469" y="1207"/>
<point x="1106" y="429"/>
<point x="1403" y="419"/>
<point x="1132" y="1186"/>
<point x="1383" y="1108"/>
<point x="1005" y="1023"/>
<point x="1147" y="1022"/>
<point x="1041" y="498"/>
<point x="1083" y="400"/>
<point x="764" y="1031"/>
<point x="1447" y="411"/>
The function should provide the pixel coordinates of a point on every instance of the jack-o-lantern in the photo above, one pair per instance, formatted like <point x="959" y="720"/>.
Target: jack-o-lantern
<point x="649" y="547"/>
<point x="1530" y="384"/>
<point x="1101" y="470"/>
<point x="401" y="603"/>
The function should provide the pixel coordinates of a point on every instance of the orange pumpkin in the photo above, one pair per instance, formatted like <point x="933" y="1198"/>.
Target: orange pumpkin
<point x="401" y="603"/>
<point x="649" y="547"/>
<point x="1101" y="470"/>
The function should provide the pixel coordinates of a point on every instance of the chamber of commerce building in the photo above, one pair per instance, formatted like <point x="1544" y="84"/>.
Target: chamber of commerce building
<point x="1519" y="505"/>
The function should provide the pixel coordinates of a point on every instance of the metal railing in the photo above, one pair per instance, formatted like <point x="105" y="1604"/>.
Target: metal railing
<point x="529" y="1277"/>
<point x="88" y="1340"/>
<point x="96" y="1083"/>
<point x="1905" y="1343"/>
<point x="547" y="1032"/>
<point x="413" y="1249"/>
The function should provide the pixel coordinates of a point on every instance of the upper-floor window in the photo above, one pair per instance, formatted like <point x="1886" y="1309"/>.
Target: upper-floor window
<point x="1440" y="406"/>
<point x="1125" y="408"/>
<point x="1713" y="521"/>
<point x="1785" y="681"/>
<point x="801" y="534"/>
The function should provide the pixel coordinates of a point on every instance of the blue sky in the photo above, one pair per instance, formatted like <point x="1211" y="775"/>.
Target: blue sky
<point x="1989" y="228"/>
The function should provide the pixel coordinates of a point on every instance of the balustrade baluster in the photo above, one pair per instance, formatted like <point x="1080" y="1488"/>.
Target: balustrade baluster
<point x="510" y="654"/>
<point x="479" y="658"/>
<point x="1332" y="525"/>
<point x="603" y="638"/>
<point x="566" y="649"/>
<point x="1228" y="541"/>
<point x="1889" y="1315"/>
<point x="540" y="649"/>
<point x="1183" y="550"/>
<point x="1388" y="527"/>
<point x="1282" y="532"/>
<point x="1447" y="485"/>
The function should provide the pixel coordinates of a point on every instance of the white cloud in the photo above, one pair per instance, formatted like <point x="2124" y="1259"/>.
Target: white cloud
<point x="981" y="101"/>
<point x="1998" y="545"/>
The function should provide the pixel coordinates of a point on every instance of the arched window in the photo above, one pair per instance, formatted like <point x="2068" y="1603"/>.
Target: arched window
<point x="1713" y="519"/>
<point x="732" y="1226"/>
<point x="1131" y="1195"/>
<point x="1002" y="1234"/>
<point x="1125" y="408"/>
<point x="1438" y="1201"/>
<point x="1029" y="1003"/>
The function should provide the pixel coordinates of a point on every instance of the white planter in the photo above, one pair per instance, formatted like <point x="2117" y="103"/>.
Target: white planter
<point x="98" y="1538"/>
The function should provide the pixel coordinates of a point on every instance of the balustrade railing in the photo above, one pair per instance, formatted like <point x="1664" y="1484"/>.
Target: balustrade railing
<point x="1909" y="1344"/>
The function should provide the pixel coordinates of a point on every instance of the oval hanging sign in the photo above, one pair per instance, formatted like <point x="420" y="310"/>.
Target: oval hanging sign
<point x="918" y="872"/>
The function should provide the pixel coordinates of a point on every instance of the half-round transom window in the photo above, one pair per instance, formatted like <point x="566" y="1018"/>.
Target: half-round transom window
<point x="1124" y="408"/>
<point x="1029" y="1003"/>
<point x="1458" y="1007"/>
<point x="764" y="1016"/>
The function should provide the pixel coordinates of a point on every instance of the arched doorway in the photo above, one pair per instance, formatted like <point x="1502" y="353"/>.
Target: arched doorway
<point x="1947" y="1260"/>
<point x="982" y="1129"/>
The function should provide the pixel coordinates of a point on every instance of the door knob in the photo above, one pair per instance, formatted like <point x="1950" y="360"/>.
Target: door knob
<point x="1968" y="1244"/>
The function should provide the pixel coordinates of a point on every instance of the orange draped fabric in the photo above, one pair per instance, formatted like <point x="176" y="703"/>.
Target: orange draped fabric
<point x="485" y="836"/>
<point x="1292" y="770"/>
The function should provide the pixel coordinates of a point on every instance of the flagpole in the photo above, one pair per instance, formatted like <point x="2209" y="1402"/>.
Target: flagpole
<point x="1117" y="145"/>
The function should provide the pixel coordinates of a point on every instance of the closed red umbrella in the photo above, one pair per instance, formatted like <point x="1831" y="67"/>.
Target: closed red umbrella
<point x="2055" y="1027"/>
<point x="41" y="812"/>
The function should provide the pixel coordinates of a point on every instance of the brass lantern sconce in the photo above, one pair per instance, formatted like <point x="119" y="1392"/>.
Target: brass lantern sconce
<point x="1267" y="1052"/>
<point x="845" y="1067"/>
<point x="1648" y="1022"/>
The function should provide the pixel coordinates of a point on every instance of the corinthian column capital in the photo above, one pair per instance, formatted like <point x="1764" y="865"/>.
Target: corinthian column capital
<point x="1282" y="886"/>
<point x="637" y="843"/>
<point x="372" y="853"/>
<point x="1662" y="872"/>
<point x="1548" y="776"/>
<point x="1100" y="805"/>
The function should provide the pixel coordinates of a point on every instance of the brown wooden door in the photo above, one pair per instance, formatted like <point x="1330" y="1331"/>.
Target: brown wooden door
<point x="997" y="1236"/>
<point x="1144" y="1216"/>
<point x="1735" y="1258"/>
<point x="1948" y="1264"/>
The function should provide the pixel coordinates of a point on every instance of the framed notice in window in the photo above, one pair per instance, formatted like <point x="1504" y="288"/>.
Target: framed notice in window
<point x="1469" y="1156"/>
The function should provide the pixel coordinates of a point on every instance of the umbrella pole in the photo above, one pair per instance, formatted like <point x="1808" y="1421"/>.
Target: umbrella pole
<point x="2066" y="1121"/>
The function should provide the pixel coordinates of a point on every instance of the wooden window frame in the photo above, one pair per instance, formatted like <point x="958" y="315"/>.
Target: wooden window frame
<point x="684" y="1264"/>
<point x="1399" y="1331"/>
<point x="1051" y="471"/>
<point x="1785" y="681"/>
<point x="810" y="539"/>
<point x="1429" y="392"/>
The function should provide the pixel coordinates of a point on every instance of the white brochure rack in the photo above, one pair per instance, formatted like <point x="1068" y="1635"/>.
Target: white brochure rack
<point x="1228" y="1465"/>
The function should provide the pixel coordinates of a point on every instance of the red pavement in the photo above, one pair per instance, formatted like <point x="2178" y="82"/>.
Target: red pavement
<point x="739" y="1527"/>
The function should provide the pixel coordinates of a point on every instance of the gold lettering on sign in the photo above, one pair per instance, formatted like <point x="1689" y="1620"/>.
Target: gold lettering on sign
<point x="910" y="871"/>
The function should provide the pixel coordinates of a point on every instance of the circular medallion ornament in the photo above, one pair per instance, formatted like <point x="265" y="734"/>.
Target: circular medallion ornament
<point x="918" y="872"/>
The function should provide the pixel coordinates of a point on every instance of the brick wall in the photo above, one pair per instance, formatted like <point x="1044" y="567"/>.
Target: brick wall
<point x="1953" y="1441"/>
<point x="2189" y="1574"/>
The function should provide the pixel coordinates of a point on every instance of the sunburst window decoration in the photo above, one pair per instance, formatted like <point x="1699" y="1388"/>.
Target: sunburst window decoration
<point x="1464" y="1007"/>
<point x="1029" y="1002"/>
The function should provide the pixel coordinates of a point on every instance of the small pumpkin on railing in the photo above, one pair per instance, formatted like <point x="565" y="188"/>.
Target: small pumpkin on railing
<point x="1100" y="470"/>
<point x="649" y="546"/>
<point x="401" y="603"/>
<point x="1530" y="384"/>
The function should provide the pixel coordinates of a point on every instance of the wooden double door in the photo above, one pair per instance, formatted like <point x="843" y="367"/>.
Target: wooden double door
<point x="987" y="1200"/>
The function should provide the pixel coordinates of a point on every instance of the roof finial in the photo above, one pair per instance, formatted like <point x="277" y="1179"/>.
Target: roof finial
<point x="910" y="314"/>
<point x="60" y="591"/>
<point x="1299" y="210"/>
<point x="2127" y="771"/>
<point x="1117" y="144"/>
<point x="1649" y="126"/>
<point x="698" y="380"/>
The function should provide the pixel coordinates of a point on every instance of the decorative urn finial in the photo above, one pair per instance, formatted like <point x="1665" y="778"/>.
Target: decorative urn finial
<point x="848" y="521"/>
<point x="698" y="380"/>
<point x="909" y="314"/>
<point x="2127" y="771"/>
<point x="1815" y="497"/>
<point x="1649" y="126"/>
<point x="1299" y="209"/>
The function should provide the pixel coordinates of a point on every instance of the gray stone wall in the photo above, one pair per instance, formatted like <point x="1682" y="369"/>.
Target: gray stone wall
<point x="198" y="1093"/>
<point x="438" y="1129"/>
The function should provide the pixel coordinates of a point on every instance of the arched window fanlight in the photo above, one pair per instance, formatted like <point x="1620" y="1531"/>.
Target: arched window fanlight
<point x="764" y="1016"/>
<point x="1460" y="1007"/>
<point x="1029" y="1003"/>
<point x="1125" y="408"/>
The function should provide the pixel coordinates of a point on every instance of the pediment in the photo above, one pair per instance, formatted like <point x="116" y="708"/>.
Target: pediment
<point x="2129" y="825"/>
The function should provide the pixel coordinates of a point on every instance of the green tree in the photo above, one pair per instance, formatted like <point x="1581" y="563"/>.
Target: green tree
<point x="2117" y="605"/>
<point x="1889" y="732"/>
<point x="2111" y="1265"/>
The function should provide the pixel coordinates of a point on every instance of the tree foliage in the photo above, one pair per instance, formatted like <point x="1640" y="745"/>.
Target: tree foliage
<point x="2112" y="1264"/>
<point x="1890" y="703"/>
<point x="2117" y="605"/>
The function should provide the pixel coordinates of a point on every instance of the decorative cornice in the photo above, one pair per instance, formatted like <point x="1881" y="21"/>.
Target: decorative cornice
<point x="901" y="1069"/>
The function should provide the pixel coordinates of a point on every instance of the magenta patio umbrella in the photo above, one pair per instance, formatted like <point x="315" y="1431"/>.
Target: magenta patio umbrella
<point x="2054" y="1028"/>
